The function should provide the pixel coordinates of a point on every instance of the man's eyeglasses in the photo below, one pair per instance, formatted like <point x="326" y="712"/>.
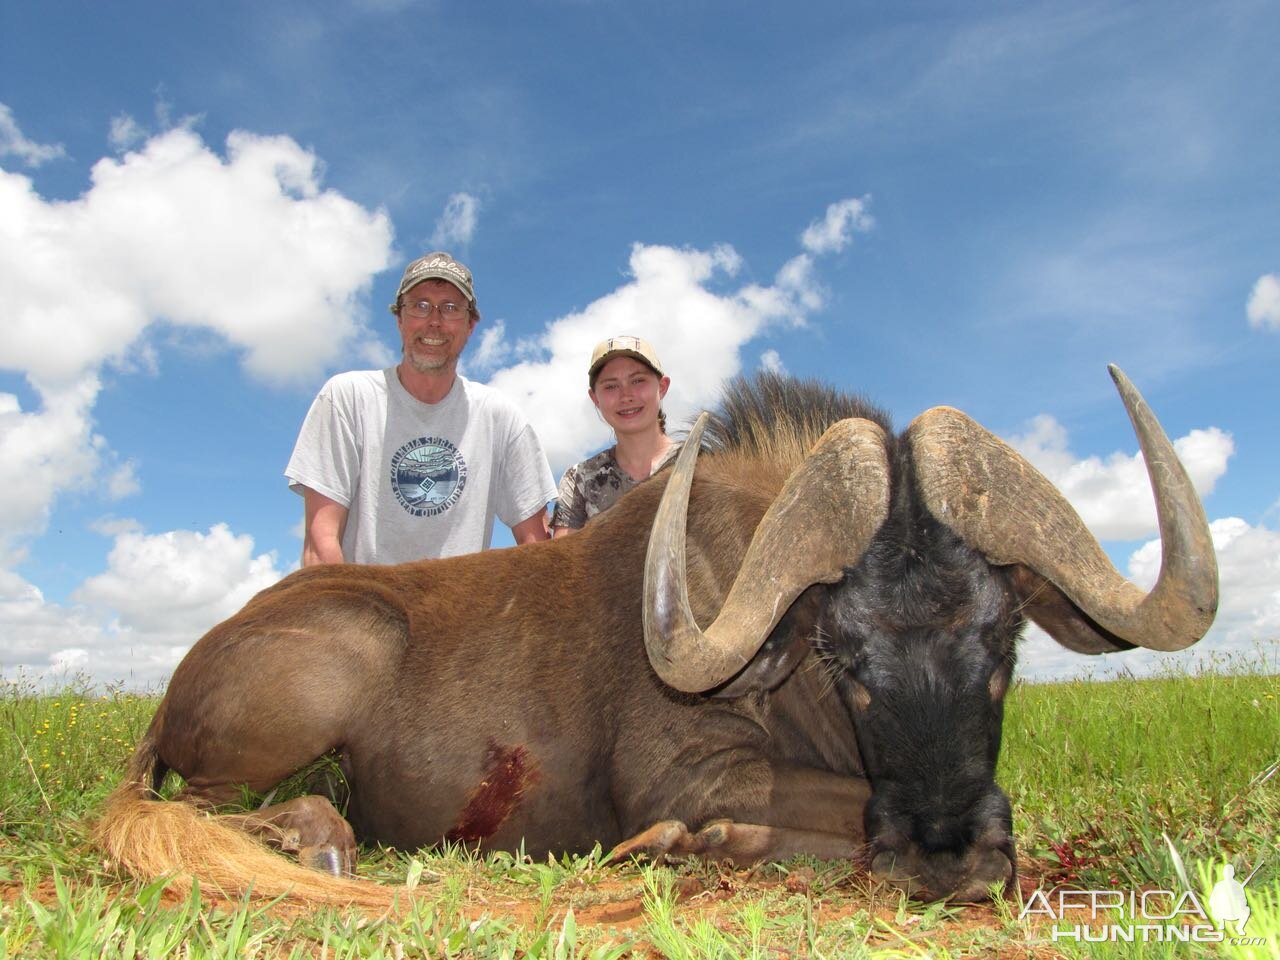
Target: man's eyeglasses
<point x="421" y="309"/>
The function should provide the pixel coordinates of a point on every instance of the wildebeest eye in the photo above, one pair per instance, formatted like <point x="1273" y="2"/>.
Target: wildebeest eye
<point x="998" y="685"/>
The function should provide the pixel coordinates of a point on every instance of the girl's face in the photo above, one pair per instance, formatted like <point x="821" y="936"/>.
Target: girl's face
<point x="628" y="395"/>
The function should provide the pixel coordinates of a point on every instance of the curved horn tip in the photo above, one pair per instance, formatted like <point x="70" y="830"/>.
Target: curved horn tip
<point x="1130" y="395"/>
<point x="699" y="424"/>
<point x="1119" y="377"/>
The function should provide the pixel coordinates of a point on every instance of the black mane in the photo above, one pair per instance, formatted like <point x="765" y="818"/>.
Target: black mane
<point x="759" y="410"/>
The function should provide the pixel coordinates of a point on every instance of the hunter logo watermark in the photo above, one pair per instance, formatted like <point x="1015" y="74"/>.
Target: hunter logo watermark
<point x="1159" y="916"/>
<point x="1227" y="901"/>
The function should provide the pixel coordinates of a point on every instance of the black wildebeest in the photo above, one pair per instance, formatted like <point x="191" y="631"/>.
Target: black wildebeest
<point x="864" y="593"/>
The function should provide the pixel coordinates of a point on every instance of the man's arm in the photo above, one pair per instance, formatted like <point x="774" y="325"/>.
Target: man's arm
<point x="532" y="528"/>
<point x="325" y="520"/>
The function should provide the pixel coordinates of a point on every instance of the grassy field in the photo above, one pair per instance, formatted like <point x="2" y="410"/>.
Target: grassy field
<point x="1100" y="774"/>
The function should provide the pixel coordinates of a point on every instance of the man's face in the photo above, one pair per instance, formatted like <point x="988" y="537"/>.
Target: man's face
<point x="433" y="344"/>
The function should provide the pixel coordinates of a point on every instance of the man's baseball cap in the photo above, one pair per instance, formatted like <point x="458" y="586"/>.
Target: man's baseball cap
<point x="606" y="350"/>
<point x="437" y="266"/>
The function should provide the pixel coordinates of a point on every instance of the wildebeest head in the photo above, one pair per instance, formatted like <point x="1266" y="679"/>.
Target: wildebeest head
<point x="925" y="553"/>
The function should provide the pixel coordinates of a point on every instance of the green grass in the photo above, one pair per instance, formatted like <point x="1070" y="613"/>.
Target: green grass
<point x="1100" y="774"/>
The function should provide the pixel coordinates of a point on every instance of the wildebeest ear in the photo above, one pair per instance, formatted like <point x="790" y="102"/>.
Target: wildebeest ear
<point x="772" y="664"/>
<point x="781" y="653"/>
<point x="1057" y="616"/>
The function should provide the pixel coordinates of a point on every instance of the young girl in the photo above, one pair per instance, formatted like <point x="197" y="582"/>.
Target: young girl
<point x="627" y="386"/>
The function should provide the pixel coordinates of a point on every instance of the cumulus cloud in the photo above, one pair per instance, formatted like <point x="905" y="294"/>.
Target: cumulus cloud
<point x="178" y="582"/>
<point x="457" y="224"/>
<point x="675" y="299"/>
<point x="175" y="232"/>
<point x="1244" y="633"/>
<point x="835" y="231"/>
<point x="134" y="621"/>
<point x="1113" y="494"/>
<point x="1264" y="303"/>
<point x="771" y="361"/>
<point x="125" y="133"/>
<point x="491" y="348"/>
<point x="172" y="233"/>
<point x="47" y="452"/>
<point x="14" y="144"/>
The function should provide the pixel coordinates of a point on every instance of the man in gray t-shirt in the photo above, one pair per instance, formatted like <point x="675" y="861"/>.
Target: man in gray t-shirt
<point x="416" y="461"/>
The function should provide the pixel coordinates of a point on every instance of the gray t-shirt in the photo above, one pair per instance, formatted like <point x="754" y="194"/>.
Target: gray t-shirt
<point x="419" y="479"/>
<point x="593" y="486"/>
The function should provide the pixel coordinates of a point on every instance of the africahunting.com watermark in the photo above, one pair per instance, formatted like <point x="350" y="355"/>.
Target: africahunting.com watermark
<point x="1148" y="916"/>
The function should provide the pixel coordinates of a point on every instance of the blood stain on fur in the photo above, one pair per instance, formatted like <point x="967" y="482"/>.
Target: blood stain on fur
<point x="509" y="772"/>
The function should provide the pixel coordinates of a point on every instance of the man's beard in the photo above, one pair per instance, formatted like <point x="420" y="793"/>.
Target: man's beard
<point x="424" y="364"/>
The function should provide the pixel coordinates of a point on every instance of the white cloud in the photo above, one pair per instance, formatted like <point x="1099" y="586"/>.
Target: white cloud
<point x="795" y="280"/>
<point x="123" y="481"/>
<point x="70" y="660"/>
<point x="125" y="132"/>
<point x="14" y="143"/>
<point x="1249" y="571"/>
<point x="771" y="361"/>
<point x="134" y="621"/>
<point x="1113" y="495"/>
<point x="1246" y="630"/>
<point x="491" y="350"/>
<point x="835" y="231"/>
<point x="46" y="453"/>
<point x="115" y="526"/>
<point x="670" y="301"/>
<point x="457" y="224"/>
<point x="1264" y="302"/>
<point x="181" y="581"/>
<point x="249" y="247"/>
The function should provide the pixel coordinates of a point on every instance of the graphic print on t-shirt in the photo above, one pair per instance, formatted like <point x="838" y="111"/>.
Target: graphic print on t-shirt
<point x="428" y="475"/>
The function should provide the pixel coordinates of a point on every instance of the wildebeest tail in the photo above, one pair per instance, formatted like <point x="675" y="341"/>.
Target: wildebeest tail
<point x="150" y="838"/>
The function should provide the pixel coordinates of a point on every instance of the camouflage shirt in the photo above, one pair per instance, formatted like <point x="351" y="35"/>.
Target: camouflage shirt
<point x="594" y="485"/>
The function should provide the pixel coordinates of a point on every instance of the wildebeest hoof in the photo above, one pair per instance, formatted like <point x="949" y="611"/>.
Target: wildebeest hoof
<point x="714" y="835"/>
<point x="326" y="858"/>
<point x="663" y="838"/>
<point x="290" y="841"/>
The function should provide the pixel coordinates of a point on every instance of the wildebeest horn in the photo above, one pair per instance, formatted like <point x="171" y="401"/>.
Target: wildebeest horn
<point x="1001" y="505"/>
<point x="819" y="524"/>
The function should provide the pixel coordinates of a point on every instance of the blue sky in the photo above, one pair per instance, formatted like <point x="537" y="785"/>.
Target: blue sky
<point x="204" y="211"/>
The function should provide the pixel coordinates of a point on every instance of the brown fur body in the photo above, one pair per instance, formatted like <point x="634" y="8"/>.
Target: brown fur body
<point x="497" y="698"/>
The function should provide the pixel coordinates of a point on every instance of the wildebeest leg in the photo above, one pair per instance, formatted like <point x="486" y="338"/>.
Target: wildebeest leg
<point x="738" y="842"/>
<point x="267" y="693"/>
<point x="808" y="812"/>
<point x="307" y="826"/>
